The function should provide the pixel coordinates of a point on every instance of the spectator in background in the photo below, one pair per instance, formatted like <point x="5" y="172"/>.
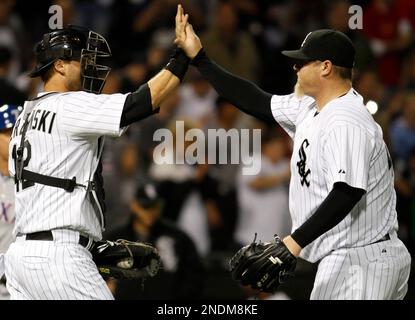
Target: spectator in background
<point x="222" y="177"/>
<point x="6" y="88"/>
<point x="263" y="198"/>
<point x="388" y="113"/>
<point x="368" y="83"/>
<point x="95" y="14"/>
<point x="248" y="10"/>
<point x="305" y="15"/>
<point x="408" y="72"/>
<point x="405" y="191"/>
<point x="275" y="29"/>
<point x="143" y="66"/>
<point x="181" y="275"/>
<point x="121" y="180"/>
<point x="11" y="102"/>
<point x="143" y="133"/>
<point x="133" y="24"/>
<point x="13" y="36"/>
<point x="181" y="186"/>
<point x="232" y="48"/>
<point x="197" y="99"/>
<point x="402" y="138"/>
<point x="34" y="17"/>
<point x="402" y="130"/>
<point x="389" y="35"/>
<point x="406" y="13"/>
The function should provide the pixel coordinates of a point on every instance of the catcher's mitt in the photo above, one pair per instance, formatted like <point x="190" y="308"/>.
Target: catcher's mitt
<point x="123" y="259"/>
<point x="264" y="265"/>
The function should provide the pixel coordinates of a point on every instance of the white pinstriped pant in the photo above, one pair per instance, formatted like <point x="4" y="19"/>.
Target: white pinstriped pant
<point x="53" y="270"/>
<point x="378" y="271"/>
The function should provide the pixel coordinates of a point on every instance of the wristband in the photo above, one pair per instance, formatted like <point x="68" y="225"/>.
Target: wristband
<point x="178" y="63"/>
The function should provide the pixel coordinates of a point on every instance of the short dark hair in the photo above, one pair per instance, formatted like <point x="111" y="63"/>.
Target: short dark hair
<point x="47" y="73"/>
<point x="344" y="73"/>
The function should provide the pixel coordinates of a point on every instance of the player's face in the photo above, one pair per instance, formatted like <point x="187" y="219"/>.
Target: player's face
<point x="73" y="75"/>
<point x="308" y="74"/>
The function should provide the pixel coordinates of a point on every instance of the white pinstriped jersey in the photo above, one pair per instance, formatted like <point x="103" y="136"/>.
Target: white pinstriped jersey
<point x="6" y="212"/>
<point x="63" y="139"/>
<point x="342" y="143"/>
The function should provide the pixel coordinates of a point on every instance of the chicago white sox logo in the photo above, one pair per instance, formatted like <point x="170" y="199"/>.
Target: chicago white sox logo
<point x="302" y="163"/>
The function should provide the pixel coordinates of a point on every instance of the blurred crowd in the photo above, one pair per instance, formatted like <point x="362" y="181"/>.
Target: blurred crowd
<point x="213" y="208"/>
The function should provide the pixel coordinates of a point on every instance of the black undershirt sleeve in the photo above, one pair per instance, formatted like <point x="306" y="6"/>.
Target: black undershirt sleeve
<point x="242" y="93"/>
<point x="339" y="202"/>
<point x="137" y="106"/>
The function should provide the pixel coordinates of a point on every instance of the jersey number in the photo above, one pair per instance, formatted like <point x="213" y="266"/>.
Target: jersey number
<point x="28" y="149"/>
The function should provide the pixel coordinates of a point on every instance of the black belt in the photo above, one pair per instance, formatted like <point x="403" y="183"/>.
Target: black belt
<point x="385" y="238"/>
<point x="48" y="236"/>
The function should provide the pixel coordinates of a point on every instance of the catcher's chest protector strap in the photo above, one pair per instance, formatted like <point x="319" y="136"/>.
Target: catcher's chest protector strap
<point x="23" y="174"/>
<point x="66" y="184"/>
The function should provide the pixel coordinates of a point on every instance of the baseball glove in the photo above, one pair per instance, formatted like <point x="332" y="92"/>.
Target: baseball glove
<point x="263" y="265"/>
<point x="123" y="259"/>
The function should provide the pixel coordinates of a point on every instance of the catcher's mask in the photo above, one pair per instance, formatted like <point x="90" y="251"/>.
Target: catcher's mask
<point x="79" y="44"/>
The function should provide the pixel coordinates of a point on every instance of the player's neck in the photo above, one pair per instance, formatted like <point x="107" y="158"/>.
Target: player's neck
<point x="331" y="92"/>
<point x="54" y="88"/>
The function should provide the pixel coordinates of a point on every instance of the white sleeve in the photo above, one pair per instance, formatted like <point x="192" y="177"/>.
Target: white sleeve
<point x="346" y="155"/>
<point x="86" y="114"/>
<point x="286" y="109"/>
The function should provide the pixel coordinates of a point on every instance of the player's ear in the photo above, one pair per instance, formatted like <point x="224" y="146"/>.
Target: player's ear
<point x="326" y="68"/>
<point x="59" y="67"/>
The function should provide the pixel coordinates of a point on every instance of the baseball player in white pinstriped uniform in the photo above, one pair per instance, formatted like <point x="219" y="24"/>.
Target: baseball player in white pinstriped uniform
<point x="342" y="199"/>
<point x="55" y="155"/>
<point x="8" y="117"/>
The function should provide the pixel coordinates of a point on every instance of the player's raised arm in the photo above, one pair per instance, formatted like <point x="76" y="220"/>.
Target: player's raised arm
<point x="146" y="100"/>
<point x="242" y="93"/>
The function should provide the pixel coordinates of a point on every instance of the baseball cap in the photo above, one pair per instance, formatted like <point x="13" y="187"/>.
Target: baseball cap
<point x="325" y="44"/>
<point x="147" y="195"/>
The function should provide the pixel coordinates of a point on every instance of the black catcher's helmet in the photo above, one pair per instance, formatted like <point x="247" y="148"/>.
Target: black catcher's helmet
<point x="75" y="43"/>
